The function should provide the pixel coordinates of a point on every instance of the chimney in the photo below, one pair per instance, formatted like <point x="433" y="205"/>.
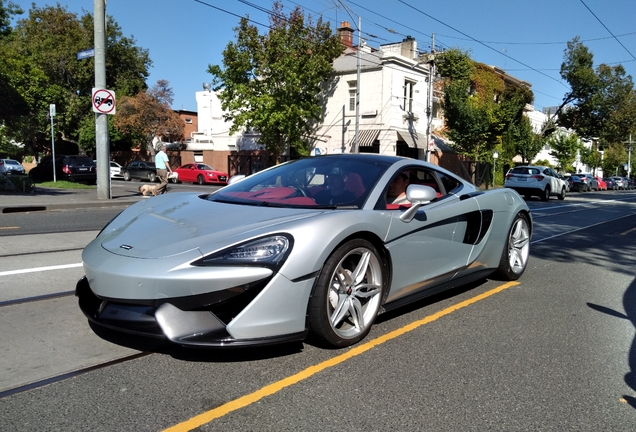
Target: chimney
<point x="409" y="47"/>
<point x="346" y="34"/>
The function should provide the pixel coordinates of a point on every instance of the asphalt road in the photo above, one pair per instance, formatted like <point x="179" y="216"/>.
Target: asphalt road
<point x="554" y="352"/>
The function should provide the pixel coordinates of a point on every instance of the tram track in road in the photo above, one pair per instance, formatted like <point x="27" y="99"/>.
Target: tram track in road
<point x="67" y="375"/>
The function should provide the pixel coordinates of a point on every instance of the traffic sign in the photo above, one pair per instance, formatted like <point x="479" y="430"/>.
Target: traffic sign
<point x="103" y="101"/>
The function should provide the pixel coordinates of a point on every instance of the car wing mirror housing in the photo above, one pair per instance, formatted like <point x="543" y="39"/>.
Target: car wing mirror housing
<point x="418" y="195"/>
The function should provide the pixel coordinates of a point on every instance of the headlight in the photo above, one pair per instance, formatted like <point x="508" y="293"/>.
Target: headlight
<point x="267" y="251"/>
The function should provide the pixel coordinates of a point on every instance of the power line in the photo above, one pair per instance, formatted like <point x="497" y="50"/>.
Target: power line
<point x="608" y="30"/>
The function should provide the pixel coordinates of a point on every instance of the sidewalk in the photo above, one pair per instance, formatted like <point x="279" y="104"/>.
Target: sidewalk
<point x="42" y="199"/>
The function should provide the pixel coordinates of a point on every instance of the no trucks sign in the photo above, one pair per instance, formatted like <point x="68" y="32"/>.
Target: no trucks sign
<point x="103" y="101"/>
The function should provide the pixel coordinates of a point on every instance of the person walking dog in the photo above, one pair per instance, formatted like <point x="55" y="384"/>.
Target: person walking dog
<point x="163" y="168"/>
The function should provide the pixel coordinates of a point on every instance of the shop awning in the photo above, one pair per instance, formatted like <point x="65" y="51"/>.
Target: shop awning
<point x="366" y="137"/>
<point x="412" y="139"/>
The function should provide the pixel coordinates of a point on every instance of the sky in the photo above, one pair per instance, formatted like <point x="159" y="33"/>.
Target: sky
<point x="525" y="38"/>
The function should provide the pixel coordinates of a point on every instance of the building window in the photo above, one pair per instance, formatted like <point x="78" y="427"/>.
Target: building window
<point x="408" y="95"/>
<point x="198" y="156"/>
<point x="188" y="140"/>
<point x="352" y="95"/>
<point x="188" y="120"/>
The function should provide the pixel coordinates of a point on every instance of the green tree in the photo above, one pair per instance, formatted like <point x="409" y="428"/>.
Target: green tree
<point x="523" y="141"/>
<point x="600" y="102"/>
<point x="483" y="113"/>
<point x="614" y="156"/>
<point x="272" y="83"/>
<point x="564" y="148"/>
<point x="44" y="70"/>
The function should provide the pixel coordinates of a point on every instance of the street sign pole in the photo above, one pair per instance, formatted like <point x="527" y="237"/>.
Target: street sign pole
<point x="52" y="114"/>
<point x="102" y="144"/>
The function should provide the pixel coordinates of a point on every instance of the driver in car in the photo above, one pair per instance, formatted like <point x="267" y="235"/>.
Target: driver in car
<point x="335" y="192"/>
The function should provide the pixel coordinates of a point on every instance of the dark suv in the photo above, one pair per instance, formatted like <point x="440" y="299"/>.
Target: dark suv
<point x="74" y="168"/>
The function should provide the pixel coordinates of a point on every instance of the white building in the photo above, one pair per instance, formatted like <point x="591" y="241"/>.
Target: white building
<point x="393" y="101"/>
<point x="214" y="132"/>
<point x="538" y="120"/>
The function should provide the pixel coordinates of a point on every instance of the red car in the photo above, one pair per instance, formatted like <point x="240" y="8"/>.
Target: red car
<point x="602" y="186"/>
<point x="199" y="173"/>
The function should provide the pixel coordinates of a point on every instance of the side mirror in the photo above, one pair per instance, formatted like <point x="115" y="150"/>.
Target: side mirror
<point x="418" y="195"/>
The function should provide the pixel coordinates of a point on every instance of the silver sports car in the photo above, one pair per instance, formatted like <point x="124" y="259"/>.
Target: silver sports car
<point x="318" y="246"/>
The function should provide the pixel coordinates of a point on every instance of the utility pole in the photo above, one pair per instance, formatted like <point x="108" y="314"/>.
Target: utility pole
<point x="102" y="144"/>
<point x="356" y="145"/>
<point x="429" y="99"/>
<point x="629" y="156"/>
<point x="52" y="114"/>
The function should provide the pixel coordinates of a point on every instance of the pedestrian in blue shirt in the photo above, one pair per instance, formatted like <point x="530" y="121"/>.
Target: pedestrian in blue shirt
<point x="163" y="168"/>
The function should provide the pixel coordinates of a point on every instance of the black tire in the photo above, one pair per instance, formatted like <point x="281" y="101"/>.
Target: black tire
<point x="351" y="282"/>
<point x="545" y="195"/>
<point x="514" y="258"/>
<point x="127" y="176"/>
<point x="561" y="196"/>
<point x="200" y="179"/>
<point x="174" y="180"/>
<point x="152" y="177"/>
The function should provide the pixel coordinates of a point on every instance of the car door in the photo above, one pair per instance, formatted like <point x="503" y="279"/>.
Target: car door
<point x="433" y="247"/>
<point x="188" y="173"/>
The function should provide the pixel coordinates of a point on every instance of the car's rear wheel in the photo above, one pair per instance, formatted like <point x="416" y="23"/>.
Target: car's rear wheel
<point x="152" y="177"/>
<point x="514" y="257"/>
<point x="546" y="194"/>
<point x="561" y="196"/>
<point x="348" y="295"/>
<point x="200" y="179"/>
<point x="127" y="176"/>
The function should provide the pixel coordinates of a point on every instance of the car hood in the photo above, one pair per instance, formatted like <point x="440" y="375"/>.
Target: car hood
<point x="176" y="223"/>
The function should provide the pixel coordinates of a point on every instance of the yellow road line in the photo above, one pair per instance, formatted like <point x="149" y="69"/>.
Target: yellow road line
<point x="270" y="389"/>
<point x="9" y="227"/>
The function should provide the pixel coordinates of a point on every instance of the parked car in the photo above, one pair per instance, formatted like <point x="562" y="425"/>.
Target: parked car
<point x="262" y="262"/>
<point x="611" y="184"/>
<point x="590" y="182"/>
<point x="629" y="182"/>
<point x="577" y="184"/>
<point x="199" y="173"/>
<point x="620" y="182"/>
<point x="539" y="181"/>
<point x="11" y="166"/>
<point x="602" y="185"/>
<point x="74" y="168"/>
<point x="140" y="170"/>
<point x="115" y="169"/>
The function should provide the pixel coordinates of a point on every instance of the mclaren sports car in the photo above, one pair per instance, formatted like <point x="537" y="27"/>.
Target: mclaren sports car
<point x="316" y="247"/>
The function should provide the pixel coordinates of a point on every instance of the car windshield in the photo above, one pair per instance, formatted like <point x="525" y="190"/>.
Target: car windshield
<point x="205" y="167"/>
<point x="316" y="182"/>
<point x="11" y="162"/>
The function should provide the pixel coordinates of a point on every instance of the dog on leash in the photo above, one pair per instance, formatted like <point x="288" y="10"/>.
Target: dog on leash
<point x="147" y="190"/>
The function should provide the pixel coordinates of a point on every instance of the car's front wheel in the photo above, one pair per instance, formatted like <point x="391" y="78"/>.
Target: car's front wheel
<point x="514" y="257"/>
<point x="127" y="176"/>
<point x="200" y="179"/>
<point x="152" y="177"/>
<point x="348" y="295"/>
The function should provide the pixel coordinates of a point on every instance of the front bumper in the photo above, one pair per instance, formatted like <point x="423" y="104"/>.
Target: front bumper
<point x="224" y="318"/>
